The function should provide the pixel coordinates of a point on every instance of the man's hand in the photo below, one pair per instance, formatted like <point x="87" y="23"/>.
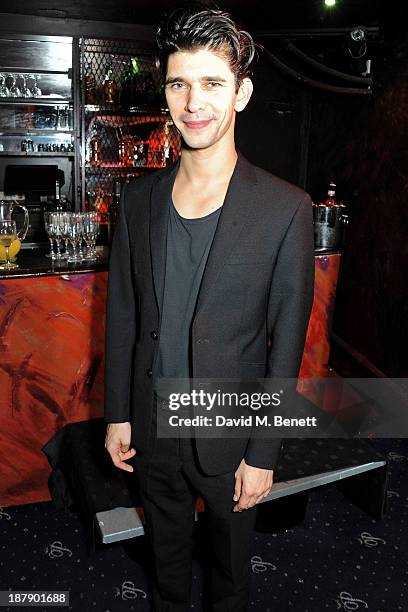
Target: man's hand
<point x="117" y="442"/>
<point x="252" y="484"/>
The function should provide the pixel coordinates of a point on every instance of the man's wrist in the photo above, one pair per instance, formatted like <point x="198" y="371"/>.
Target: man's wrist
<point x="118" y="423"/>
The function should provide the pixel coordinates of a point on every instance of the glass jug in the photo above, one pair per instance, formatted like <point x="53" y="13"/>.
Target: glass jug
<point x="8" y="203"/>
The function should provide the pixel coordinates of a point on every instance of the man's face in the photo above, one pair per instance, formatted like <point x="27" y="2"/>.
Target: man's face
<point x="201" y="97"/>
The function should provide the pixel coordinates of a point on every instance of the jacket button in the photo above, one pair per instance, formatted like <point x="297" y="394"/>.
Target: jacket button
<point x="149" y="373"/>
<point x="154" y="335"/>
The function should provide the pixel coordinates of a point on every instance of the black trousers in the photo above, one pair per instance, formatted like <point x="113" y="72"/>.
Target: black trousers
<point x="169" y="479"/>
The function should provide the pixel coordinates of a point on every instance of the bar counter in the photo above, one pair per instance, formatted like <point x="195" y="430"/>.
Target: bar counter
<point x="52" y="349"/>
<point x="33" y="262"/>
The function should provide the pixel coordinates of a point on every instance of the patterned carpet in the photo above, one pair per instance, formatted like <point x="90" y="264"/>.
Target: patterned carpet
<point x="338" y="558"/>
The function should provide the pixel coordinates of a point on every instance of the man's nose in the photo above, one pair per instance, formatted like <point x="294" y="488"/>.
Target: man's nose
<point x="195" y="100"/>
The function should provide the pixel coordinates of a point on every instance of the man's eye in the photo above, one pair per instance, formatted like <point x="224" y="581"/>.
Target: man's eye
<point x="214" y="84"/>
<point x="176" y="85"/>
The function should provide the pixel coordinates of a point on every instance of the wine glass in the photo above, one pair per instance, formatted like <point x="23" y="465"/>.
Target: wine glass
<point x="87" y="238"/>
<point x="35" y="89"/>
<point x="65" y="232"/>
<point x="81" y="232"/>
<point x="14" y="89"/>
<point x="57" y="220"/>
<point x="24" y="90"/>
<point x="75" y="236"/>
<point x="49" y="228"/>
<point x="30" y="85"/>
<point x="4" y="92"/>
<point x="8" y="234"/>
<point x="91" y="230"/>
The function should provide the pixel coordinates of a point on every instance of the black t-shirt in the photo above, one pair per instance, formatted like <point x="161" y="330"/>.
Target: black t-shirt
<point x="188" y="245"/>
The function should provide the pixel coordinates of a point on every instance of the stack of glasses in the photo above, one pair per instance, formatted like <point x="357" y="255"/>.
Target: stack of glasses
<point x="73" y="229"/>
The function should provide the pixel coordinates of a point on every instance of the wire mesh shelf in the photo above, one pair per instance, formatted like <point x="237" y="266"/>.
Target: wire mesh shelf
<point x="125" y="126"/>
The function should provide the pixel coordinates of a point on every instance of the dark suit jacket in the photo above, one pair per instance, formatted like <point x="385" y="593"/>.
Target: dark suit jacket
<point x="252" y="309"/>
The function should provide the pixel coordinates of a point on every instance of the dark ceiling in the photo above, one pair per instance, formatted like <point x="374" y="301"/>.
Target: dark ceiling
<point x="258" y="14"/>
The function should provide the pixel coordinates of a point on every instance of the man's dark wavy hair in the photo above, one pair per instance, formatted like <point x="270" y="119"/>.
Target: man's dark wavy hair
<point x="199" y="26"/>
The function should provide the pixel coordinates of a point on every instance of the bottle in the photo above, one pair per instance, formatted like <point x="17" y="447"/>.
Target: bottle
<point x="96" y="157"/>
<point x="66" y="204"/>
<point x="126" y="149"/>
<point x="101" y="206"/>
<point x="52" y="203"/>
<point x="140" y="155"/>
<point x="331" y="195"/>
<point x="114" y="210"/>
<point x="167" y="149"/>
<point x="169" y="156"/>
<point x="58" y="207"/>
<point x="110" y="88"/>
<point x="128" y="96"/>
<point x="89" y="84"/>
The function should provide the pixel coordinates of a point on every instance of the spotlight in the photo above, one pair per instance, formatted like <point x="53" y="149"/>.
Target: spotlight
<point x="330" y="3"/>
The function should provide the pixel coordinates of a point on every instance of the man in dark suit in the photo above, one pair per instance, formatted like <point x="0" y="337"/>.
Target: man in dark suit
<point x="211" y="276"/>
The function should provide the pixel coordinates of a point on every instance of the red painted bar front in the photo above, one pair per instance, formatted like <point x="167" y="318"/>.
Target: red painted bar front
<point x="52" y="332"/>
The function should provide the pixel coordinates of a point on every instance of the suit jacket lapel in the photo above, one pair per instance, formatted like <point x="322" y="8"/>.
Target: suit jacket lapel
<point x="238" y="202"/>
<point x="159" y="213"/>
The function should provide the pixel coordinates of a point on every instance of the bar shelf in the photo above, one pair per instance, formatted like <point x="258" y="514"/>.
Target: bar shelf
<point x="20" y="70"/>
<point x="40" y="101"/>
<point x="33" y="131"/>
<point x="120" y="167"/>
<point x="122" y="110"/>
<point x="37" y="154"/>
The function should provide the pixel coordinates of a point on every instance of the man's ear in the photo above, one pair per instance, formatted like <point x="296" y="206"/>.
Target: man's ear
<point x="244" y="93"/>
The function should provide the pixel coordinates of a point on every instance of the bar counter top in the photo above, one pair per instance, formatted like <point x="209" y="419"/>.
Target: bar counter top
<point x="33" y="262"/>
